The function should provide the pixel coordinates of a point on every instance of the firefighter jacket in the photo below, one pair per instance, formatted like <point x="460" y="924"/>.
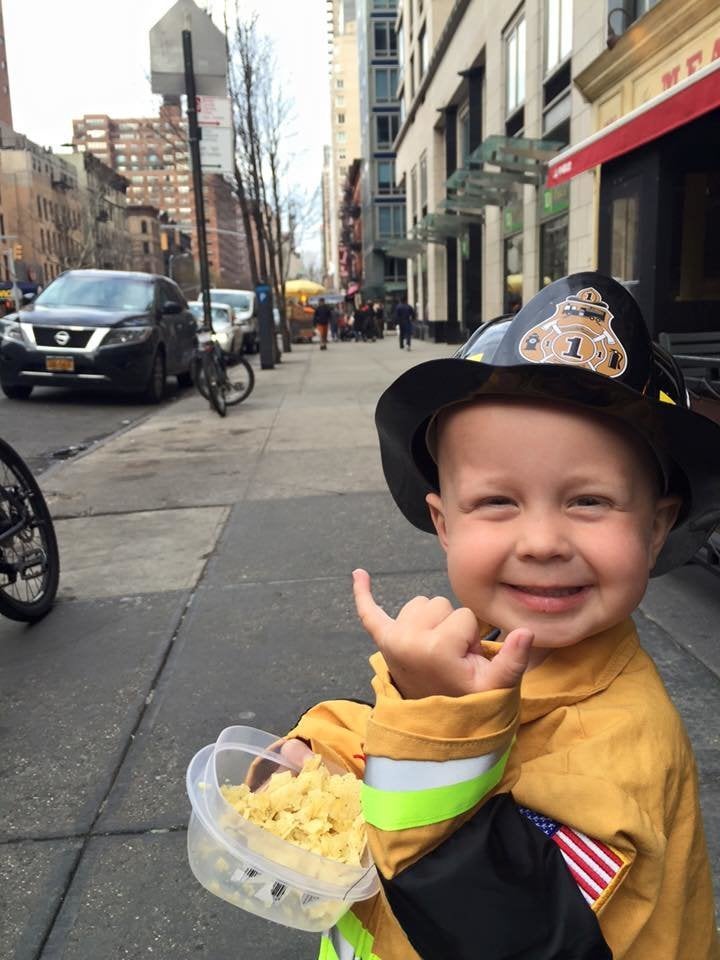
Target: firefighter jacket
<point x="556" y="821"/>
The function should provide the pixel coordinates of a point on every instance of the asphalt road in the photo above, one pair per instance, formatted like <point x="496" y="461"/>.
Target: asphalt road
<point x="57" y="424"/>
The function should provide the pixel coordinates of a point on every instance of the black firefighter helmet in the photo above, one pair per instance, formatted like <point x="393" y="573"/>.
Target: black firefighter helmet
<point x="581" y="340"/>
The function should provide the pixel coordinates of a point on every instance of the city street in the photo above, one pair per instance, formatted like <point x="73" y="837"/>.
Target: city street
<point x="206" y="582"/>
<point x="57" y="424"/>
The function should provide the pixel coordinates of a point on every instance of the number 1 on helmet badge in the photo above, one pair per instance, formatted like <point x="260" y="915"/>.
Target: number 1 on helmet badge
<point x="578" y="333"/>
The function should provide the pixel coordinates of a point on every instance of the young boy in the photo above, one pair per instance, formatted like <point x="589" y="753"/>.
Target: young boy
<point x="534" y="797"/>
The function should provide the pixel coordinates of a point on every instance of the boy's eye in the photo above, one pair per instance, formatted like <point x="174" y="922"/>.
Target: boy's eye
<point x="589" y="500"/>
<point x="496" y="501"/>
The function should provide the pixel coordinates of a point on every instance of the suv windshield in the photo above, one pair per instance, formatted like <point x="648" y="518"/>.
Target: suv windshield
<point x="101" y="293"/>
<point x="238" y="300"/>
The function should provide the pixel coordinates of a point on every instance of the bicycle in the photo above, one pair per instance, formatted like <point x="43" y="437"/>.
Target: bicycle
<point x="223" y="387"/>
<point x="29" y="558"/>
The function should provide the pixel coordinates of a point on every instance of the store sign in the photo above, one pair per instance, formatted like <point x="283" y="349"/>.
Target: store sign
<point x="686" y="61"/>
<point x="554" y="201"/>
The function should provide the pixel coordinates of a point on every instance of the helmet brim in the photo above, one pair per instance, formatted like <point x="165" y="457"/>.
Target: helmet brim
<point x="691" y="440"/>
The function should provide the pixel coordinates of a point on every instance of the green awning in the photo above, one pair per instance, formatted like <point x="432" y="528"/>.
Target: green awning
<point x="524" y="158"/>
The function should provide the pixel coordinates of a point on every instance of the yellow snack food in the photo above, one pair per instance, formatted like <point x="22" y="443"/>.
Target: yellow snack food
<point x="316" y="810"/>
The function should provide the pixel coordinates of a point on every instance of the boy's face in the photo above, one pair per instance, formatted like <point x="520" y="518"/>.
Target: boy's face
<point x="549" y="517"/>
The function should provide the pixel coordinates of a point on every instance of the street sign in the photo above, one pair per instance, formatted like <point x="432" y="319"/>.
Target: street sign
<point x="216" y="150"/>
<point x="167" y="70"/>
<point x="214" y="111"/>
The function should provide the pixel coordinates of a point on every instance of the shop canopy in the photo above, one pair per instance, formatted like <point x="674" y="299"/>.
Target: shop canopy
<point x="691" y="98"/>
<point x="302" y="287"/>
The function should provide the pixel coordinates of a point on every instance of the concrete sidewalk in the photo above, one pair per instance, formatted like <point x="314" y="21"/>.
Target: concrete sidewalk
<point x="206" y="582"/>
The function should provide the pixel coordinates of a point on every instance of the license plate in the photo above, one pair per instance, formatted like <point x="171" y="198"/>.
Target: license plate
<point x="60" y="364"/>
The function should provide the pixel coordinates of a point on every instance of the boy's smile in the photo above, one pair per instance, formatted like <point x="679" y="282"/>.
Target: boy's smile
<point x="550" y="517"/>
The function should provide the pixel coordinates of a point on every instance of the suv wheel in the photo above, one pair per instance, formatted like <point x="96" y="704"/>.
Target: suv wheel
<point x="18" y="392"/>
<point x="155" y="389"/>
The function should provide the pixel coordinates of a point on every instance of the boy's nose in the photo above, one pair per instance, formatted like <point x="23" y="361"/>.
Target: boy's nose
<point x="542" y="538"/>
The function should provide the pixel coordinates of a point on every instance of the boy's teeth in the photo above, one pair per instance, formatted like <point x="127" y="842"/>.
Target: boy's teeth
<point x="550" y="591"/>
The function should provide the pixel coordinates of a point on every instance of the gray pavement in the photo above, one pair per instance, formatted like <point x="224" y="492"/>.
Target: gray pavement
<point x="206" y="582"/>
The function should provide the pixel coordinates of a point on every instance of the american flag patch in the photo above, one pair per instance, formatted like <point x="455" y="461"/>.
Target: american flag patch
<point x="594" y="866"/>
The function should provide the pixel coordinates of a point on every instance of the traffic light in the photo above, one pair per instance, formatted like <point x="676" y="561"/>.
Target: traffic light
<point x="17" y="251"/>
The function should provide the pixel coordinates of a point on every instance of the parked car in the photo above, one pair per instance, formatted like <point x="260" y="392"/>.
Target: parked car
<point x="100" y="329"/>
<point x="229" y="333"/>
<point x="244" y="312"/>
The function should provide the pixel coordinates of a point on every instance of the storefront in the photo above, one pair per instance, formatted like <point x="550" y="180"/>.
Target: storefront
<point x="658" y="207"/>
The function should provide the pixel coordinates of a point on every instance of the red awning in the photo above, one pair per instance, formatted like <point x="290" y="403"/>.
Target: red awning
<point x="691" y="98"/>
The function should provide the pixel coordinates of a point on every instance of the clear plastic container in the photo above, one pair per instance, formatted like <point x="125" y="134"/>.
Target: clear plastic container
<point x="251" y="867"/>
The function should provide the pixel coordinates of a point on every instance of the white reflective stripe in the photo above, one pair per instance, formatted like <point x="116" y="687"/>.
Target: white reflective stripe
<point x="382" y="773"/>
<point x="343" y="949"/>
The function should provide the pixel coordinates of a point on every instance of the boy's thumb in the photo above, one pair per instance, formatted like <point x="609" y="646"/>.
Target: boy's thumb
<point x="511" y="662"/>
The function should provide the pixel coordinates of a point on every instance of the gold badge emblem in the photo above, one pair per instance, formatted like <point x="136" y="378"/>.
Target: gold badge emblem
<point x="580" y="334"/>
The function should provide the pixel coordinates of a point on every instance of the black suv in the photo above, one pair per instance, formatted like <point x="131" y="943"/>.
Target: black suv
<point x="99" y="329"/>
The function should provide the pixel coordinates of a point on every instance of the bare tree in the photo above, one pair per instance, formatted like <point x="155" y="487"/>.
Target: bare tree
<point x="273" y="212"/>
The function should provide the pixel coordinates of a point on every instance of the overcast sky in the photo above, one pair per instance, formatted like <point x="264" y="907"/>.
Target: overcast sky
<point x="70" y="57"/>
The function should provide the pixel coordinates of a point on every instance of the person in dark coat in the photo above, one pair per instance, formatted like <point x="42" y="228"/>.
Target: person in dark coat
<point x="404" y="316"/>
<point x="321" y="318"/>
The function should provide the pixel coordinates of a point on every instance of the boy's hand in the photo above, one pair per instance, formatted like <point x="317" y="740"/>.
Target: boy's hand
<point x="431" y="648"/>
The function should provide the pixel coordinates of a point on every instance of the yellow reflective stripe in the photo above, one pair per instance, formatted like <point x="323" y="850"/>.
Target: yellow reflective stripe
<point x="402" y="809"/>
<point x="360" y="939"/>
<point x="327" y="950"/>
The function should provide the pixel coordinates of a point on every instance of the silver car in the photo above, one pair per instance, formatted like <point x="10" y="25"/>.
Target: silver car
<point x="229" y="334"/>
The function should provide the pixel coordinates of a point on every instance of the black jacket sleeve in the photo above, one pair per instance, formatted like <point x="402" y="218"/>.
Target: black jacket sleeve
<point x="496" y="889"/>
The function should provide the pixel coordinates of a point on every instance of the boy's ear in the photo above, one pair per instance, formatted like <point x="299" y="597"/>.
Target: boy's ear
<point x="437" y="514"/>
<point x="666" y="513"/>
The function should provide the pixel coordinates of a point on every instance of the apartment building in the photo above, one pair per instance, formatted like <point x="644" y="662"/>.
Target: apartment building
<point x="382" y="188"/>
<point x="152" y="152"/>
<point x="42" y="210"/>
<point x="344" y="123"/>
<point x="143" y="222"/>
<point x="545" y="137"/>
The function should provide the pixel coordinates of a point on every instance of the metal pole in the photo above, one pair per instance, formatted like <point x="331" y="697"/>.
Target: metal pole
<point x="194" y="138"/>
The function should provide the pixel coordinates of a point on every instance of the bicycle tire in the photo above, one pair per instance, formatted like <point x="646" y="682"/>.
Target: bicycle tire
<point x="239" y="388"/>
<point x="198" y="375"/>
<point x="29" y="611"/>
<point x="213" y="379"/>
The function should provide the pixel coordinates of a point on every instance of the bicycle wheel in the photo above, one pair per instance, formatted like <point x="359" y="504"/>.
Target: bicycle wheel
<point x="29" y="558"/>
<point x="198" y="375"/>
<point x="214" y="381"/>
<point x="240" y="381"/>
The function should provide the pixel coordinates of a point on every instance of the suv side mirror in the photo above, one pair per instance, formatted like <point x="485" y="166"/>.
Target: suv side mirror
<point x="171" y="306"/>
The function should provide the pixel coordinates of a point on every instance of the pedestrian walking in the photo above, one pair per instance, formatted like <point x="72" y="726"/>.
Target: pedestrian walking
<point x="321" y="319"/>
<point x="404" y="316"/>
<point x="334" y="317"/>
<point x="538" y="796"/>
<point x="379" y="317"/>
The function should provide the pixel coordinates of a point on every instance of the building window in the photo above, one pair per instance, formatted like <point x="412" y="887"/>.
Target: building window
<point x="387" y="126"/>
<point x="384" y="5"/>
<point x="339" y="84"/>
<point x="341" y="136"/>
<point x="42" y="240"/>
<point x="515" y="66"/>
<point x="558" y="36"/>
<point x="143" y="226"/>
<point x="385" y="176"/>
<point x="339" y="101"/>
<point x="623" y="13"/>
<point x="423" y="51"/>
<point x="464" y="138"/>
<point x="413" y="195"/>
<point x="423" y="185"/>
<point x="411" y="71"/>
<point x="341" y="118"/>
<point x="391" y="221"/>
<point x="553" y="250"/>
<point x="384" y="39"/>
<point x="513" y="265"/>
<point x="386" y="81"/>
<point x="146" y="247"/>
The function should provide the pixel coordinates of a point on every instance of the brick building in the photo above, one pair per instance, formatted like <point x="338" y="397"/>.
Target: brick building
<point x="145" y="238"/>
<point x="152" y="152"/>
